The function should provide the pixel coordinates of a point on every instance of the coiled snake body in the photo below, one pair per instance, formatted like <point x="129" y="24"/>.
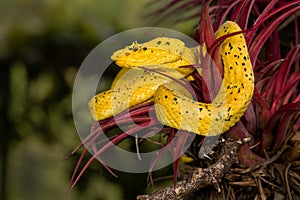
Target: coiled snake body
<point x="173" y="106"/>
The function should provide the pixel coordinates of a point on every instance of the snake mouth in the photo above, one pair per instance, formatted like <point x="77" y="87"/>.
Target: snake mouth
<point x="133" y="64"/>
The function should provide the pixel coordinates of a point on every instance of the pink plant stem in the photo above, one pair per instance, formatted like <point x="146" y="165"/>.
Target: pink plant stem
<point x="111" y="143"/>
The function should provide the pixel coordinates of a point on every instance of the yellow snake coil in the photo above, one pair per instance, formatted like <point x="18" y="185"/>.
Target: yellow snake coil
<point x="174" y="107"/>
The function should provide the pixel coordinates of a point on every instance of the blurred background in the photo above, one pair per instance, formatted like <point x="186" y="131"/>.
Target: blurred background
<point x="43" y="43"/>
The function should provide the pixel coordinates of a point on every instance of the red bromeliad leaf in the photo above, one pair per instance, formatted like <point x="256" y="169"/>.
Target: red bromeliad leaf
<point x="262" y="86"/>
<point x="261" y="38"/>
<point x="273" y="47"/>
<point x="77" y="168"/>
<point x="181" y="140"/>
<point x="284" y="97"/>
<point x="211" y="77"/>
<point x="115" y="140"/>
<point x="262" y="109"/>
<point x="212" y="69"/>
<point x="221" y="15"/>
<point x="267" y="132"/>
<point x="282" y="75"/>
<point x="247" y="157"/>
<point x="250" y="120"/>
<point x="161" y="152"/>
<point x="265" y="71"/>
<point x="174" y="7"/>
<point x="242" y="13"/>
<point x="136" y="115"/>
<point x="238" y="10"/>
<point x="260" y="19"/>
<point x="291" y="89"/>
<point x="296" y="125"/>
<point x="267" y="14"/>
<point x="205" y="33"/>
<point x="198" y="87"/>
<point x="162" y="9"/>
<point x="282" y="130"/>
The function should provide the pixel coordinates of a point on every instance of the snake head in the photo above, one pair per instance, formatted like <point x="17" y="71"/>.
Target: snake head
<point x="156" y="52"/>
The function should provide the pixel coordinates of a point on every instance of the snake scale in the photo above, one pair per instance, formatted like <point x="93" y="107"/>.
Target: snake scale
<point x="174" y="107"/>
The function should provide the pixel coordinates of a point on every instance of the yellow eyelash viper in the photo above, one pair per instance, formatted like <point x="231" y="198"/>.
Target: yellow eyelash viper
<point x="173" y="106"/>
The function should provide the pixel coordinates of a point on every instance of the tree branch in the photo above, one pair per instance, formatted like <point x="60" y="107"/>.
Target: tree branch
<point x="202" y="177"/>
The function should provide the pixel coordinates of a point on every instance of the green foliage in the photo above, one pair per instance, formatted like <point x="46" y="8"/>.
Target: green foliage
<point x="42" y="45"/>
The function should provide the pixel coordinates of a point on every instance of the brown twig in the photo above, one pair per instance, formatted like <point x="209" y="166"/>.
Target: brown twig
<point x="202" y="177"/>
<point x="286" y="180"/>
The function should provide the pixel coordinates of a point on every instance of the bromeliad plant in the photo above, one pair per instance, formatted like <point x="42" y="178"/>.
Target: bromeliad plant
<point x="272" y="120"/>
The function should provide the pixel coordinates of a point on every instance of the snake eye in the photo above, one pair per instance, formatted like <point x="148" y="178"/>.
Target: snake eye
<point x="135" y="48"/>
